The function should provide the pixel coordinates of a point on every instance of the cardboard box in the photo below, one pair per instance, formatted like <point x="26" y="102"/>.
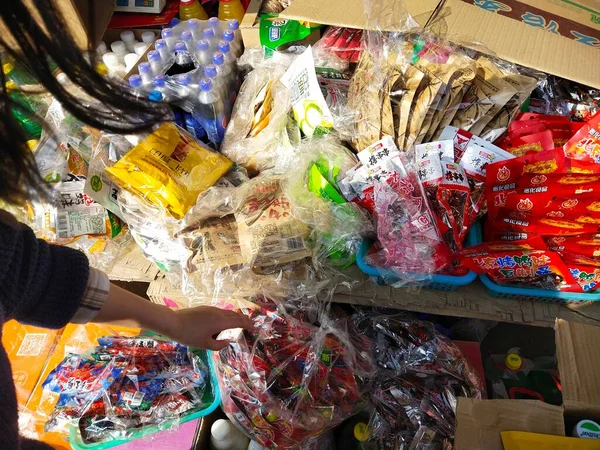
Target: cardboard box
<point x="479" y="422"/>
<point x="137" y="6"/>
<point x="86" y="20"/>
<point x="557" y="37"/>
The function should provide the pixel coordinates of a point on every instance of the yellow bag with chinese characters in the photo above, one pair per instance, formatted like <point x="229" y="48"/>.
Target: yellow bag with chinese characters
<point x="170" y="169"/>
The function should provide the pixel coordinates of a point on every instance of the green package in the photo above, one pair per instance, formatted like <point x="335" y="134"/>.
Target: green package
<point x="276" y="32"/>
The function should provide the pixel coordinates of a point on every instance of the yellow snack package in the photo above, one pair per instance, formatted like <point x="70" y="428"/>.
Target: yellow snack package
<point x="170" y="169"/>
<point x="521" y="440"/>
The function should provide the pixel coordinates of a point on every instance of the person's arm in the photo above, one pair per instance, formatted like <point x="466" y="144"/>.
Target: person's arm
<point x="196" y="327"/>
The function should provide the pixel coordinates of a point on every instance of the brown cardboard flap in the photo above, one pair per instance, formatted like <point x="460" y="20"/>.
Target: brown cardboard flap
<point x="76" y="14"/>
<point x="578" y="353"/>
<point x="351" y="13"/>
<point x="479" y="422"/>
<point x="513" y="40"/>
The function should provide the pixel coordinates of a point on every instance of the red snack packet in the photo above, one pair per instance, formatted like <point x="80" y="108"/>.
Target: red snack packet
<point x="532" y="143"/>
<point x="474" y="161"/>
<point x="510" y="220"/>
<point x="583" y="149"/>
<point x="518" y="263"/>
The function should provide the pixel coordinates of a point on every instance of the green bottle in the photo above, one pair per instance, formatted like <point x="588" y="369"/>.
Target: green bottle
<point x="32" y="128"/>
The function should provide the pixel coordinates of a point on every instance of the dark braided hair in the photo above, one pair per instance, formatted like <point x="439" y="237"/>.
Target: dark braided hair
<point x="118" y="109"/>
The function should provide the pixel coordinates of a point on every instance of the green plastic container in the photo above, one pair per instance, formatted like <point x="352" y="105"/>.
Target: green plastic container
<point x="212" y="398"/>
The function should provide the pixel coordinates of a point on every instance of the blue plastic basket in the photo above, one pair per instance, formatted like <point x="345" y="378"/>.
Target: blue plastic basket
<point x="77" y="442"/>
<point x="437" y="282"/>
<point x="525" y="293"/>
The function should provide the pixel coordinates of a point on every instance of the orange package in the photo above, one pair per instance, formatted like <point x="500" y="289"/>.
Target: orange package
<point x="39" y="407"/>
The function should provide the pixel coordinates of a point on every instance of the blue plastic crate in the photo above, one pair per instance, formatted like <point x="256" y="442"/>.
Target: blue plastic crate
<point x="437" y="282"/>
<point x="77" y="442"/>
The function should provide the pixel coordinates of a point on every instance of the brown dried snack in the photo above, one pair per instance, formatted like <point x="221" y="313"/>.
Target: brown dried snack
<point x="387" y="116"/>
<point x="364" y="97"/>
<point x="490" y="80"/>
<point x="498" y="125"/>
<point x="403" y="93"/>
<point x="424" y="98"/>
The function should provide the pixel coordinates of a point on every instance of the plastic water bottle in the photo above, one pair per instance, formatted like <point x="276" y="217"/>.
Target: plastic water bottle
<point x="210" y="36"/>
<point x="188" y="40"/>
<point x="215" y="24"/>
<point x="135" y="81"/>
<point x="128" y="38"/>
<point x="210" y="111"/>
<point x="145" y="71"/>
<point x="140" y="48"/>
<point x="229" y="58"/>
<point x="234" y="26"/>
<point x="119" y="49"/>
<point x="210" y="72"/>
<point x="161" y="47"/>
<point x="148" y="37"/>
<point x="131" y="60"/>
<point x="160" y="83"/>
<point x="225" y="436"/>
<point x="111" y="60"/>
<point x="168" y="36"/>
<point x="102" y="48"/>
<point x="229" y="37"/>
<point x="174" y="22"/>
<point x="224" y="71"/>
<point x="194" y="25"/>
<point x="155" y="62"/>
<point x="203" y="55"/>
<point x="183" y="60"/>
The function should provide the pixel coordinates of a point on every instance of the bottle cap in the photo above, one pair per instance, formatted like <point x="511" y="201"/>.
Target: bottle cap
<point x="218" y="59"/>
<point x="166" y="33"/>
<point x="140" y="48"/>
<point x="101" y="69"/>
<point x="131" y="59"/>
<point x="7" y="68"/>
<point x="193" y="24"/>
<point x="127" y="36"/>
<point x="203" y="45"/>
<point x="186" y="35"/>
<point x="233" y="24"/>
<point x="144" y="68"/>
<point x="587" y="429"/>
<point x="210" y="71"/>
<point x="135" y="81"/>
<point x="11" y="86"/>
<point x="205" y="84"/>
<point x="184" y="79"/>
<point x="228" y="36"/>
<point x="118" y="47"/>
<point x="153" y="56"/>
<point x="32" y="144"/>
<point x="513" y="361"/>
<point x="174" y="21"/>
<point x="362" y="431"/>
<point x="155" y="96"/>
<point x="160" y="44"/>
<point x="224" y="47"/>
<point x="180" y="47"/>
<point x="62" y="78"/>
<point x="102" y="48"/>
<point x="110" y="59"/>
<point x="187" y="1"/>
<point x="214" y="22"/>
<point x="220" y="429"/>
<point x="148" y="37"/>
<point x="209" y="33"/>
<point x="160" y="81"/>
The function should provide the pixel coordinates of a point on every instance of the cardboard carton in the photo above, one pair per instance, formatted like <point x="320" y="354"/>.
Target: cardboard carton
<point x="86" y="20"/>
<point x="557" y="37"/>
<point x="479" y="422"/>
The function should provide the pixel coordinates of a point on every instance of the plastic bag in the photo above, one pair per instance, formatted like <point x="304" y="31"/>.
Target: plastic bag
<point x="259" y="118"/>
<point x="289" y="379"/>
<point x="170" y="168"/>
<point x="421" y="374"/>
<point x="125" y="383"/>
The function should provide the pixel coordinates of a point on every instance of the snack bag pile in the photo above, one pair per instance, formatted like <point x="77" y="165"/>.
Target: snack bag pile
<point x="420" y="373"/>
<point x="126" y="383"/>
<point x="289" y="380"/>
<point x="543" y="218"/>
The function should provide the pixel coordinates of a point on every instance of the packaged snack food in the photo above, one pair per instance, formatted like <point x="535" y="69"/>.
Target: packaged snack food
<point x="583" y="149"/>
<point x="170" y="169"/>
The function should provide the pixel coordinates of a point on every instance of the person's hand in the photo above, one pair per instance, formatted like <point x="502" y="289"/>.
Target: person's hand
<point x="198" y="327"/>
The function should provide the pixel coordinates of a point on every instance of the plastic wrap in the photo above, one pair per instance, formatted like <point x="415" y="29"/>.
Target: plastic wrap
<point x="291" y="379"/>
<point x="260" y="115"/>
<point x="114" y="390"/>
<point x="246" y="238"/>
<point x="421" y="374"/>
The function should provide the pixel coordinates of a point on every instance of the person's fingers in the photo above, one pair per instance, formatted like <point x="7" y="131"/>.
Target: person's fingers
<point x="215" y="345"/>
<point x="237" y="320"/>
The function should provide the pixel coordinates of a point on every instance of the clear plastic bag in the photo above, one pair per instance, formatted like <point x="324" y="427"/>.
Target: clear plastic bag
<point x="124" y="384"/>
<point x="421" y="373"/>
<point x="291" y="378"/>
